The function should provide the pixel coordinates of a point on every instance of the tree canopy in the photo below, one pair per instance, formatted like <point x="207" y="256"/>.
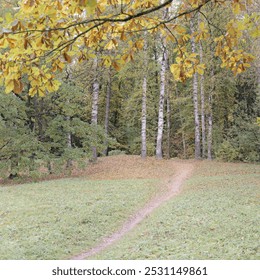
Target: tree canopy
<point x="42" y="36"/>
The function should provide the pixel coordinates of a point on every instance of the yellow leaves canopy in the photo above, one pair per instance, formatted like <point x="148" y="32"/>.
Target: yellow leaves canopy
<point x="45" y="35"/>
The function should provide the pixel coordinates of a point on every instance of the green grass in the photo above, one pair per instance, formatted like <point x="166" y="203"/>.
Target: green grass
<point x="215" y="217"/>
<point x="57" y="219"/>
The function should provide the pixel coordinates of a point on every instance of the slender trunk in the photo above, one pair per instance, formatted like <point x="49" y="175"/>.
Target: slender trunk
<point x="195" y="101"/>
<point x="210" y="123"/>
<point x="108" y="97"/>
<point x="159" y="153"/>
<point x="94" y="113"/>
<point x="202" y="96"/>
<point x="144" y="109"/>
<point x="210" y="117"/>
<point x="168" y="116"/>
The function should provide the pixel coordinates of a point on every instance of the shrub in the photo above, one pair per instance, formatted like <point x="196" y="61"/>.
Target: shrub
<point x="227" y="152"/>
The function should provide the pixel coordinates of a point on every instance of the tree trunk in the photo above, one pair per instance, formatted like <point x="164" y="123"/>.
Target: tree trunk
<point x="94" y="113"/>
<point x="144" y="109"/>
<point x="210" y="122"/>
<point x="108" y="97"/>
<point x="210" y="117"/>
<point x="159" y="153"/>
<point x="195" y="101"/>
<point x="168" y="117"/>
<point x="202" y="96"/>
<point x="164" y="59"/>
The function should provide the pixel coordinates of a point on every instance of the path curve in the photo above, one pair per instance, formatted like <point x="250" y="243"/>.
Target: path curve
<point x="173" y="186"/>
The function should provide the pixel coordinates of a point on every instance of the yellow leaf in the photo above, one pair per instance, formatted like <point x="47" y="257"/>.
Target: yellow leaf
<point x="9" y="86"/>
<point x="175" y="69"/>
<point x="200" y="71"/>
<point x="110" y="45"/>
<point x="8" y="17"/>
<point x="67" y="57"/>
<point x="91" y="6"/>
<point x="116" y="65"/>
<point x="179" y="29"/>
<point x="202" y="26"/>
<point x="236" y="8"/>
<point x="32" y="91"/>
<point x="18" y="86"/>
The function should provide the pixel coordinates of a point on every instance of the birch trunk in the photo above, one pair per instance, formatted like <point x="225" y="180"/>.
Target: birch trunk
<point x="144" y="109"/>
<point x="202" y="96"/>
<point x="195" y="101"/>
<point x="94" y="113"/>
<point x="108" y="97"/>
<point x="210" y="123"/>
<point x="210" y="117"/>
<point x="159" y="153"/>
<point x="168" y="116"/>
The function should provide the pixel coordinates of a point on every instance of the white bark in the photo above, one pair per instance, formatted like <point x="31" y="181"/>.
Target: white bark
<point x="159" y="153"/>
<point x="195" y="101"/>
<point x="144" y="109"/>
<point x="94" y="113"/>
<point x="168" y="116"/>
<point x="210" y="117"/>
<point x="108" y="97"/>
<point x="210" y="123"/>
<point x="202" y="96"/>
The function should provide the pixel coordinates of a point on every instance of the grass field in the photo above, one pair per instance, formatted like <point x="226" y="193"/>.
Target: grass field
<point x="215" y="217"/>
<point x="56" y="219"/>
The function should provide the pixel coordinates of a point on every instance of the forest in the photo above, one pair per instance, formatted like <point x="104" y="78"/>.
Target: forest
<point x="172" y="90"/>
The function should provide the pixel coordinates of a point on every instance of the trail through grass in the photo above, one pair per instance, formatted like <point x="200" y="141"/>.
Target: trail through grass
<point x="56" y="219"/>
<point x="215" y="217"/>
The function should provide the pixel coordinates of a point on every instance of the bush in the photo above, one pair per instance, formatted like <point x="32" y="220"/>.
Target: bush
<point x="227" y="152"/>
<point x="116" y="153"/>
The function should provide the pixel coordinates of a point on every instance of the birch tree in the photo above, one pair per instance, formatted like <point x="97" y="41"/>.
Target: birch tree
<point x="144" y="102"/>
<point x="159" y="152"/>
<point x="94" y="112"/>
<point x="195" y="98"/>
<point x="108" y="97"/>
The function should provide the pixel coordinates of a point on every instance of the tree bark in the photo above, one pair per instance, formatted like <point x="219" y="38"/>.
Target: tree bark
<point x="195" y="100"/>
<point x="108" y="97"/>
<point x="210" y="117"/>
<point x="94" y="113"/>
<point x="168" y="121"/>
<point x="210" y="123"/>
<point x="202" y="96"/>
<point x="159" y="153"/>
<point x="144" y="98"/>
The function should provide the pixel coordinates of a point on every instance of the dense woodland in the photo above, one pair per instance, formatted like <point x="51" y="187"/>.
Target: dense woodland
<point x="104" y="108"/>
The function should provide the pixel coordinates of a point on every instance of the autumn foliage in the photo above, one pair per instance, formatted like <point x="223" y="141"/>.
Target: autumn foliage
<point x="43" y="36"/>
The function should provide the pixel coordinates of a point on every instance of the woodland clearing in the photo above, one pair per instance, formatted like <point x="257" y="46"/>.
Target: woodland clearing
<point x="124" y="207"/>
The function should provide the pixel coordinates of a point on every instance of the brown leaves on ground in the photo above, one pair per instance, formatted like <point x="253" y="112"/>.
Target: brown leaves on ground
<point x="131" y="167"/>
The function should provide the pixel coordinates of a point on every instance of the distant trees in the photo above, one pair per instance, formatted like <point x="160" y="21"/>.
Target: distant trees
<point x="167" y="90"/>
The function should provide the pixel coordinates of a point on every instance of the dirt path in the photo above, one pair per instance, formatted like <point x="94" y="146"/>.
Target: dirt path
<point x="171" y="188"/>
